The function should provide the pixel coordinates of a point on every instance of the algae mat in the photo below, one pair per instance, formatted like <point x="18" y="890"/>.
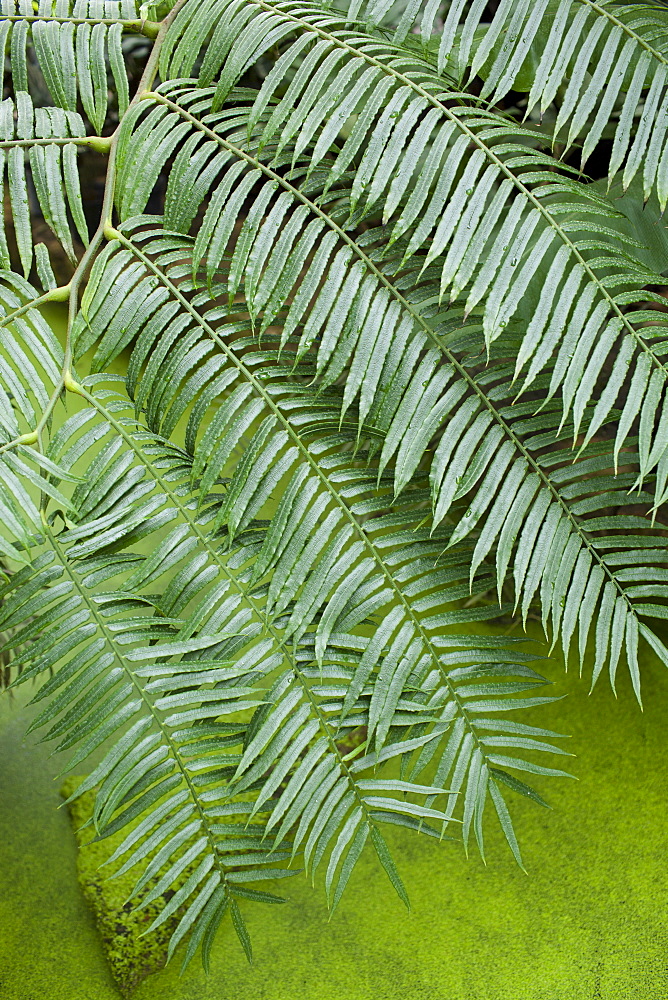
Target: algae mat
<point x="590" y="921"/>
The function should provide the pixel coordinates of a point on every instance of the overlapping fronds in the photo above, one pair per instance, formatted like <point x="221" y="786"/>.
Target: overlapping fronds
<point x="391" y="371"/>
<point x="422" y="390"/>
<point x="454" y="186"/>
<point x="46" y="135"/>
<point x="168" y="674"/>
<point x="163" y="673"/>
<point x="110" y="654"/>
<point x="329" y="548"/>
<point x="606" y="61"/>
<point x="75" y="45"/>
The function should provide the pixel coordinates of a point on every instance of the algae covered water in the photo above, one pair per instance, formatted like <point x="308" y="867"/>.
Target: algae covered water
<point x="589" y="921"/>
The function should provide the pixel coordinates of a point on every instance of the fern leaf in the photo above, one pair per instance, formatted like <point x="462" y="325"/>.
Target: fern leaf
<point x="476" y="430"/>
<point x="76" y="47"/>
<point x="532" y="241"/>
<point x="309" y="567"/>
<point x="46" y="135"/>
<point x="604" y="55"/>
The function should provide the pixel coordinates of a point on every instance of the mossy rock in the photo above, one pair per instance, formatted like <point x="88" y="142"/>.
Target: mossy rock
<point x="131" y="957"/>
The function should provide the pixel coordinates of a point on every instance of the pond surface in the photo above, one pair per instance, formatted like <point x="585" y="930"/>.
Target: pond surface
<point x="590" y="920"/>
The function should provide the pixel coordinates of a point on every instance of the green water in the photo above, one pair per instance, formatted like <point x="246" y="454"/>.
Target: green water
<point x="589" y="921"/>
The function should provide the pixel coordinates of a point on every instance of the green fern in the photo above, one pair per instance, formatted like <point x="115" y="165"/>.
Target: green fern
<point x="391" y="369"/>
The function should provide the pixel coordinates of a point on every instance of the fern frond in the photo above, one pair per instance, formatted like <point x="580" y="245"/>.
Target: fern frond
<point x="427" y="397"/>
<point x="49" y="138"/>
<point x="113" y="660"/>
<point x="325" y="565"/>
<point x="506" y="210"/>
<point x="76" y="45"/>
<point x="603" y="61"/>
<point x="30" y="364"/>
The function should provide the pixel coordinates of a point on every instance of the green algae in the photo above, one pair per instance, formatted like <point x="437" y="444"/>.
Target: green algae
<point x="49" y="947"/>
<point x="589" y="921"/>
<point x="132" y="955"/>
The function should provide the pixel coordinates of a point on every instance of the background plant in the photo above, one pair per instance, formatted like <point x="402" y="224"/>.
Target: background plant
<point x="392" y="365"/>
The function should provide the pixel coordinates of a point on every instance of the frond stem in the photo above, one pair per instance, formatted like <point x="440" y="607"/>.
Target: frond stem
<point x="97" y="142"/>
